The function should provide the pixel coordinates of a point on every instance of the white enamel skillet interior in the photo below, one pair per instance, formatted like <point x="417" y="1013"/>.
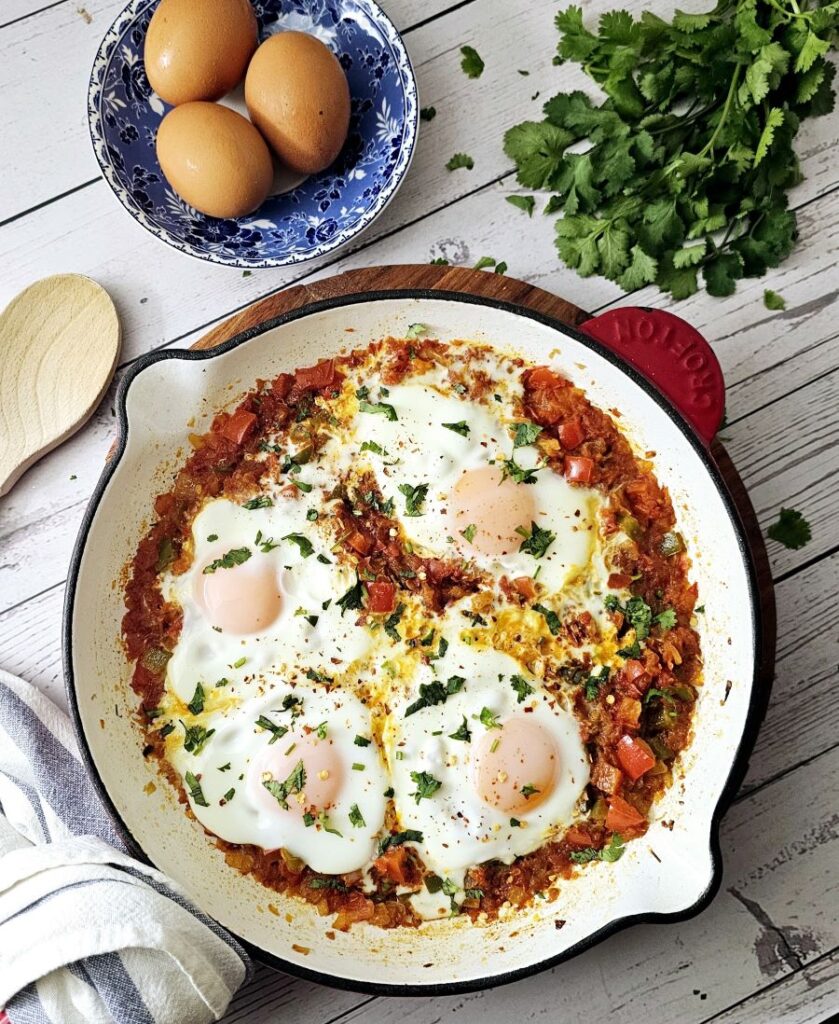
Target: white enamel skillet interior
<point x="671" y="873"/>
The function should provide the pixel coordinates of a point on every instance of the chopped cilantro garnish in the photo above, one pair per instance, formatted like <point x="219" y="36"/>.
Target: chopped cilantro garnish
<point x="196" y="705"/>
<point x="469" y="532"/>
<point x="328" y="883"/>
<point x="528" y="791"/>
<point x="272" y="727"/>
<point x="489" y="719"/>
<point x="462" y="732"/>
<point x="318" y="677"/>
<point x="327" y="826"/>
<point x="392" y="621"/>
<point x="356" y="817"/>
<point x="414" y="498"/>
<point x="320" y="732"/>
<point x="380" y="407"/>
<point x="416" y="330"/>
<point x="353" y="598"/>
<point x="195" y="737"/>
<point x="511" y="469"/>
<point x="409" y="835"/>
<point x="536" y="542"/>
<point x="195" y="790"/>
<point x="772" y="300"/>
<point x="461" y="427"/>
<point x="595" y="681"/>
<point x="228" y="796"/>
<point x="362" y="741"/>
<point x="636" y="612"/>
<point x="666" y="619"/>
<point x="426" y="785"/>
<point x="526" y="433"/>
<point x="312" y="515"/>
<point x="263" y="501"/>
<point x="236" y="556"/>
<point x="281" y="791"/>
<point x="552" y="620"/>
<point x="435" y="693"/>
<point x="303" y="543"/>
<point x="522" y="688"/>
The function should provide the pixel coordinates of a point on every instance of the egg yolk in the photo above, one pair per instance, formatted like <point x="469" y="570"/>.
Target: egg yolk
<point x="493" y="507"/>
<point x="323" y="781"/>
<point x="514" y="767"/>
<point x="243" y="599"/>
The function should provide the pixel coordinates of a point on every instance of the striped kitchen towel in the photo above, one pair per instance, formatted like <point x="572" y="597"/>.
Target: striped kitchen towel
<point x="88" y="935"/>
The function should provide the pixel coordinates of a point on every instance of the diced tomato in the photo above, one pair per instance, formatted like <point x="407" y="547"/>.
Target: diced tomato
<point x="544" y="377"/>
<point x="396" y="864"/>
<point x="622" y="816"/>
<point x="578" y="469"/>
<point x="635" y="757"/>
<point x="571" y="433"/>
<point x="618" y="581"/>
<point x="316" y="377"/>
<point x="361" y="543"/>
<point x="381" y="595"/>
<point x="282" y="385"/>
<point x="645" y="497"/>
<point x="239" y="426"/>
<point x="632" y="669"/>
<point x="525" y="587"/>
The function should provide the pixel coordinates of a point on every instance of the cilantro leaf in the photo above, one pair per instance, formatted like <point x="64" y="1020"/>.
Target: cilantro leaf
<point x="462" y="732"/>
<point x="525" y="203"/>
<point x="460" y="160"/>
<point x="426" y="785"/>
<point x="410" y="835"/>
<point x="472" y="65"/>
<point x="435" y="693"/>
<point x="526" y="433"/>
<point x="772" y="300"/>
<point x="694" y="141"/>
<point x="380" y="407"/>
<point x="236" y="556"/>
<point x="462" y="427"/>
<point x="536" y="542"/>
<point x="414" y="498"/>
<point x="790" y="529"/>
<point x="303" y="543"/>
<point x="522" y="688"/>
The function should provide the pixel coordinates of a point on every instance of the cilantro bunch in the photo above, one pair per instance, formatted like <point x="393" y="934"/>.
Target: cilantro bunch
<point x="685" y="167"/>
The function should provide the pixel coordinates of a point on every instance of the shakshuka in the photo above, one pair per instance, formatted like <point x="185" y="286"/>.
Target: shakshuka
<point x="413" y="633"/>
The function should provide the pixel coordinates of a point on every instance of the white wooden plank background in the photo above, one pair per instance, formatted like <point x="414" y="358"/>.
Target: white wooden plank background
<point x="767" y="950"/>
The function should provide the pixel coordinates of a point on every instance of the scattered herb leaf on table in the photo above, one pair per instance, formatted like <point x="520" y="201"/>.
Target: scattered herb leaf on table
<point x="690" y="157"/>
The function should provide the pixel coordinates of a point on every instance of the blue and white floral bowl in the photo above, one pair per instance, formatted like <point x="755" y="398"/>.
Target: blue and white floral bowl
<point x="321" y="213"/>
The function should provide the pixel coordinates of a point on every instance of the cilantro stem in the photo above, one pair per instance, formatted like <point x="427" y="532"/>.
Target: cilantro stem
<point x="709" y="145"/>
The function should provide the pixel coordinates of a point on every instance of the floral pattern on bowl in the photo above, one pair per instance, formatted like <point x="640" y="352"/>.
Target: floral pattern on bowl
<point x="313" y="218"/>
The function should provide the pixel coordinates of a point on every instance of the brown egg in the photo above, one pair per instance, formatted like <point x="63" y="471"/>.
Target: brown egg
<point x="298" y="97"/>
<point x="214" y="159"/>
<point x="199" y="49"/>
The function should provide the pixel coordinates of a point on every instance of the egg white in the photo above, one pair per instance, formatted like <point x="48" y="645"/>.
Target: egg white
<point x="238" y="741"/>
<point x="459" y="829"/>
<point x="295" y="642"/>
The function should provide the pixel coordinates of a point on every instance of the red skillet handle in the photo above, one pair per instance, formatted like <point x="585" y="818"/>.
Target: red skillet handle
<point x="673" y="356"/>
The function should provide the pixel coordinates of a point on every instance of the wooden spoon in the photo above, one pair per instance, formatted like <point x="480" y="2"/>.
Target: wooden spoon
<point x="59" y="340"/>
